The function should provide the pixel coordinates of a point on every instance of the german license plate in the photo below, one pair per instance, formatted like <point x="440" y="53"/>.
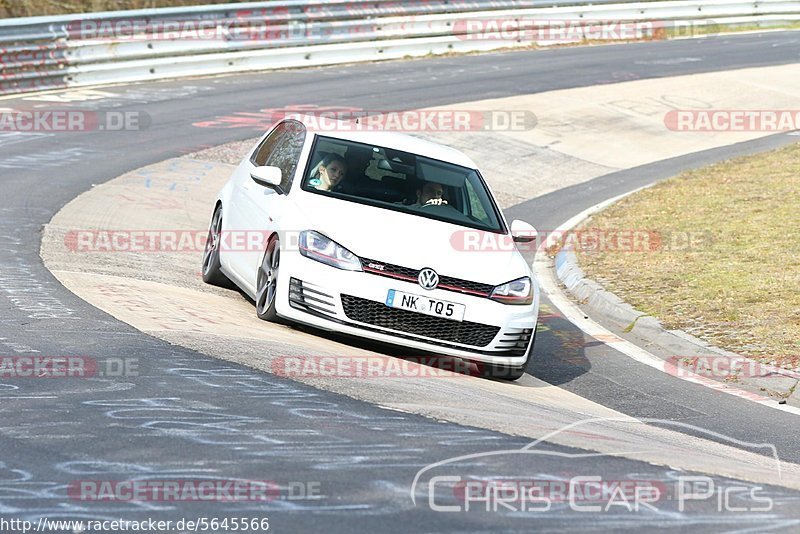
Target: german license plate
<point x="426" y="305"/>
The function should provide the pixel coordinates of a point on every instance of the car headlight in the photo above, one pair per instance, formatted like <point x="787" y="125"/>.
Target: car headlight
<point x="519" y="291"/>
<point x="318" y="247"/>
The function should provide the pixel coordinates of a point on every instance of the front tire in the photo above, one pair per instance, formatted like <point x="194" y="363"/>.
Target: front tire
<point x="505" y="372"/>
<point x="267" y="282"/>
<point x="500" y="372"/>
<point x="212" y="272"/>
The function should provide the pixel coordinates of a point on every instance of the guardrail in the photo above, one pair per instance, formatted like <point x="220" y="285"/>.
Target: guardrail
<point x="124" y="46"/>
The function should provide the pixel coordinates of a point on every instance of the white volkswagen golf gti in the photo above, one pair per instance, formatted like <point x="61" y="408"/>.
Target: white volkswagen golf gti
<point x="379" y="235"/>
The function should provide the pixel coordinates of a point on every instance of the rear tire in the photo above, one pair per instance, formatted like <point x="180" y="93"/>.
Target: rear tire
<point x="212" y="272"/>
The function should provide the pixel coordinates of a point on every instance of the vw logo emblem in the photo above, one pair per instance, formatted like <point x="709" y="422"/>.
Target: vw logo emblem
<point x="428" y="278"/>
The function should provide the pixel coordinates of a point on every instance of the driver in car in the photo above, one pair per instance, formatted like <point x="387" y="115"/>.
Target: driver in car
<point x="430" y="194"/>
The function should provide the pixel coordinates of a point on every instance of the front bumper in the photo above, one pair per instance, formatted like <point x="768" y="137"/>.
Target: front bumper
<point x="352" y="303"/>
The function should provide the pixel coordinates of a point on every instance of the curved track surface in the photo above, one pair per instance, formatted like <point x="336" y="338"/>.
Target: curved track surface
<point x="187" y="415"/>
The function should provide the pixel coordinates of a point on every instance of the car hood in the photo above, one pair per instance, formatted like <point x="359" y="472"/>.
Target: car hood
<point x="411" y="241"/>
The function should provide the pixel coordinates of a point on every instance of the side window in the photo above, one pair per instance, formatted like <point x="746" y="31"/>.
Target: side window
<point x="282" y="149"/>
<point x="259" y="157"/>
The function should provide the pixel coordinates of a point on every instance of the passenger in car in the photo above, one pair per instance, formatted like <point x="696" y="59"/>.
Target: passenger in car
<point x="329" y="174"/>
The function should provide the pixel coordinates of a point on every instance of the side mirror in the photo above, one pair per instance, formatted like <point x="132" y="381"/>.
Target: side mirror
<point x="266" y="176"/>
<point x="522" y="232"/>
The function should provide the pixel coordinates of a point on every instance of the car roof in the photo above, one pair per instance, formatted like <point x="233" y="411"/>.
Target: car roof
<point x="349" y="131"/>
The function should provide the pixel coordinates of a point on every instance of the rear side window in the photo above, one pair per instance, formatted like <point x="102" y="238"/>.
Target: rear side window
<point x="282" y="149"/>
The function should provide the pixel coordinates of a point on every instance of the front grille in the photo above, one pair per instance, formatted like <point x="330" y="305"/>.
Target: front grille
<point x="464" y="286"/>
<point x="448" y="283"/>
<point x="378" y="314"/>
<point x="388" y="269"/>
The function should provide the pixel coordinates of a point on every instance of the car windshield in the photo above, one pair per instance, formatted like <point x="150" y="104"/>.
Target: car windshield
<point x="401" y="181"/>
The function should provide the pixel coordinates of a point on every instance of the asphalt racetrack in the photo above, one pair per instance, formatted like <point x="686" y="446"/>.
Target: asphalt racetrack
<point x="332" y="462"/>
